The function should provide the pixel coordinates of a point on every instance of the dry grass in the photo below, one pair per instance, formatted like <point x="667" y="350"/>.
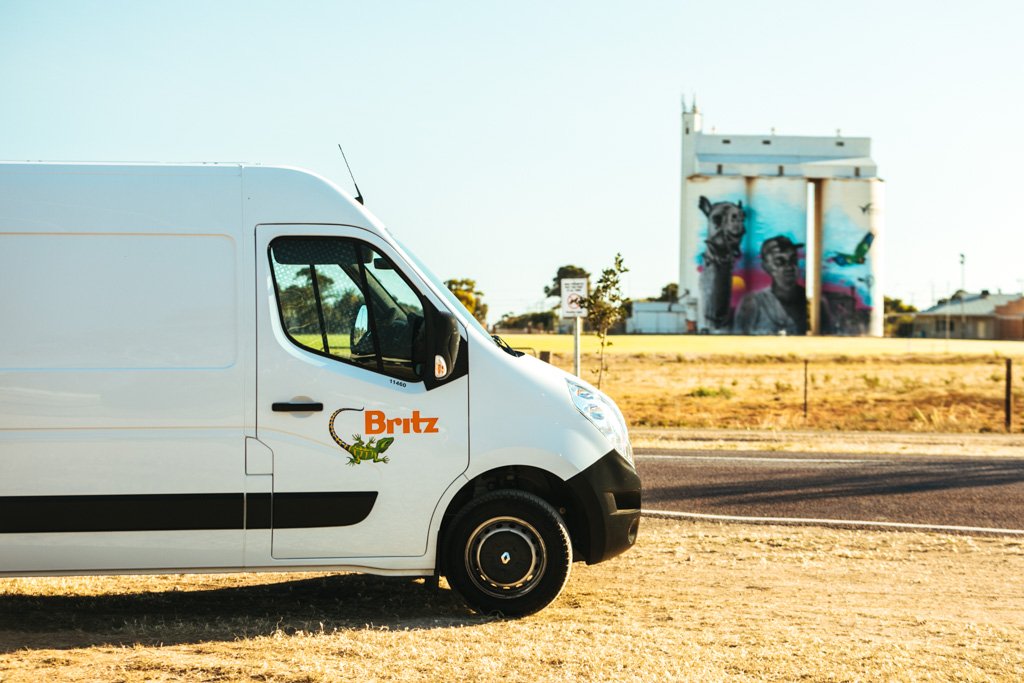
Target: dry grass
<point x="693" y="601"/>
<point x="796" y="347"/>
<point x="876" y="393"/>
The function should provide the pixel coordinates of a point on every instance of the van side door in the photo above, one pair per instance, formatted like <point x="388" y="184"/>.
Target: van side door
<point x="363" y="449"/>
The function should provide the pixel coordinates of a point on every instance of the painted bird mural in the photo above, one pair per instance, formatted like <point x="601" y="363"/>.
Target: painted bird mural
<point x="859" y="254"/>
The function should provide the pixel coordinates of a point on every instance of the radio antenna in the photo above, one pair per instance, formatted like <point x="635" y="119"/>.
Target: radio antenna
<point x="359" y="195"/>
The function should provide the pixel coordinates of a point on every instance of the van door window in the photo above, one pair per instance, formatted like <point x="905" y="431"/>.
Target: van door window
<point x="341" y="298"/>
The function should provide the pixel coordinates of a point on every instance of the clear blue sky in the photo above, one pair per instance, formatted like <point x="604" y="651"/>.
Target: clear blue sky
<point x="500" y="140"/>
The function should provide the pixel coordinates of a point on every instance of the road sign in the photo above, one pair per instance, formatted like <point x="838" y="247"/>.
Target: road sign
<point x="574" y="289"/>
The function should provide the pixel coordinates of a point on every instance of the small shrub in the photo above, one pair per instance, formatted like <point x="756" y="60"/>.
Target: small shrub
<point x="871" y="381"/>
<point x="908" y="384"/>
<point x="711" y="392"/>
<point x="782" y="387"/>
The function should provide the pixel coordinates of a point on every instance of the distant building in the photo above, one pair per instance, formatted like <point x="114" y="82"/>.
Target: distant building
<point x="656" y="317"/>
<point x="768" y="220"/>
<point x="967" y="315"/>
<point x="1010" y="320"/>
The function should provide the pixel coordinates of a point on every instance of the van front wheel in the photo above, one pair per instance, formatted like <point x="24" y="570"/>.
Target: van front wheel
<point x="508" y="552"/>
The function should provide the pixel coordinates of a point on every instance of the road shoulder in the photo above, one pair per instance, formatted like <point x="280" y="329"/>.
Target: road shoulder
<point x="894" y="443"/>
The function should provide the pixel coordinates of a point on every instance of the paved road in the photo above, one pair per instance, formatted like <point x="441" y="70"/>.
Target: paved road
<point x="951" y="490"/>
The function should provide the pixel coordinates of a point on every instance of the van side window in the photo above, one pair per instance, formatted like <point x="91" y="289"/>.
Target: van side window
<point x="341" y="298"/>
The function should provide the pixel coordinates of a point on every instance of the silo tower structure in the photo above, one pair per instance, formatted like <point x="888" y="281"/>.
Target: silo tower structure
<point x="779" y="234"/>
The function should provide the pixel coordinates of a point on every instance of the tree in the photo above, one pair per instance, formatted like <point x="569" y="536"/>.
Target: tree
<point x="466" y="292"/>
<point x="894" y="305"/>
<point x="323" y="282"/>
<point x="540" y="320"/>
<point x="669" y="293"/>
<point x="555" y="289"/>
<point x="899" y="319"/>
<point x="606" y="306"/>
<point x="299" y="305"/>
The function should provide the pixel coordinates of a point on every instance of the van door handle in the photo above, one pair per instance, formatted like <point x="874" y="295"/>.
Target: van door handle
<point x="297" y="407"/>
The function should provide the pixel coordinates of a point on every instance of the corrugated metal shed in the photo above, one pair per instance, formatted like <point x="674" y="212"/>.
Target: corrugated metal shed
<point x="972" y="304"/>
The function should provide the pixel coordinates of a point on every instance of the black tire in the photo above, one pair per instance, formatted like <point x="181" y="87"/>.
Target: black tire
<point x="507" y="553"/>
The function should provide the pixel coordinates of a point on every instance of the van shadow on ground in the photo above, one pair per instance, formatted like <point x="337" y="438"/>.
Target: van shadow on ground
<point x="329" y="603"/>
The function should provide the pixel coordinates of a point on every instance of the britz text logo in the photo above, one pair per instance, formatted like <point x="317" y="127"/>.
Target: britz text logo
<point x="376" y="422"/>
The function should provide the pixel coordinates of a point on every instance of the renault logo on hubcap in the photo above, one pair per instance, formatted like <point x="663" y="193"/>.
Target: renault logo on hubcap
<point x="505" y="558"/>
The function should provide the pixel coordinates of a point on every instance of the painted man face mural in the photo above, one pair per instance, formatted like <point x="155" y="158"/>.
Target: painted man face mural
<point x="781" y="260"/>
<point x="721" y="249"/>
<point x="781" y="308"/>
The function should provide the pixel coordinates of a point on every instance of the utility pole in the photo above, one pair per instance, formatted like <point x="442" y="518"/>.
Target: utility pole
<point x="949" y="305"/>
<point x="963" y="294"/>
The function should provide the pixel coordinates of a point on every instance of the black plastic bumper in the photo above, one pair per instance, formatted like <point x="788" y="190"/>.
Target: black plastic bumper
<point x="608" y="495"/>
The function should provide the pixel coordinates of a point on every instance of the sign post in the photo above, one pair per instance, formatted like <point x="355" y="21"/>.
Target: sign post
<point x="574" y="290"/>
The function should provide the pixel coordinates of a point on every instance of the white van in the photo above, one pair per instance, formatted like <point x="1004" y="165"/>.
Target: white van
<point x="233" y="367"/>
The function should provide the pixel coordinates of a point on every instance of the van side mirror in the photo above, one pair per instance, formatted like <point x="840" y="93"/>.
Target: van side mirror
<point x="359" y="339"/>
<point x="442" y="345"/>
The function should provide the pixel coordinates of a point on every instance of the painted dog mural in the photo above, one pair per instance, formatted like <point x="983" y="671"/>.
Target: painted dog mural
<point x="721" y="249"/>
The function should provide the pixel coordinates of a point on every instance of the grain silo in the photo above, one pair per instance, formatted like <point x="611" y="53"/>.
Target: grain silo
<point x="778" y="234"/>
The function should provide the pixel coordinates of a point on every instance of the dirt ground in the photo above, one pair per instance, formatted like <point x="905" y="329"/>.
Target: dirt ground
<point x="693" y="601"/>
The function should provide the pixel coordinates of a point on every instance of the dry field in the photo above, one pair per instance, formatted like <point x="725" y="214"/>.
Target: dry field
<point x="693" y="601"/>
<point x="915" y="393"/>
<point x="795" y="347"/>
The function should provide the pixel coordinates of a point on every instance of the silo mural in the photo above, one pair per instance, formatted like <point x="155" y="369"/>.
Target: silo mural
<point x="750" y="256"/>
<point x="718" y="208"/>
<point x="852" y="219"/>
<point x="775" y="300"/>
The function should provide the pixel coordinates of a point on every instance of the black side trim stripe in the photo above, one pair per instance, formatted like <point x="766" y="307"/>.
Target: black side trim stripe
<point x="257" y="511"/>
<point x="182" y="511"/>
<point x="304" y="510"/>
<point x="42" y="514"/>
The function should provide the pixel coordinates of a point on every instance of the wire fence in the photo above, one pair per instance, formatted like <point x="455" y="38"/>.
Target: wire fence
<point x="898" y="393"/>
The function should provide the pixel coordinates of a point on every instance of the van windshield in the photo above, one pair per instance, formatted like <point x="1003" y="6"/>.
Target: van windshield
<point x="443" y="289"/>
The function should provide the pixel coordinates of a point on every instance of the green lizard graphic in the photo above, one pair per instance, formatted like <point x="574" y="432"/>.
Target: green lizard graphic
<point x="360" y="451"/>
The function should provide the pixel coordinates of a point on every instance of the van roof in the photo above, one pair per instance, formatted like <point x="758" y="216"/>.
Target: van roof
<point x="110" y="194"/>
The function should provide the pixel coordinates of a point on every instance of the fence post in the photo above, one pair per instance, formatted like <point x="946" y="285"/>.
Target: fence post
<point x="1008" y="407"/>
<point x="805" y="389"/>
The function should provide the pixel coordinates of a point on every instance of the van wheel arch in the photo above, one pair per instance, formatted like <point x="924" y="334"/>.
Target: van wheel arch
<point x="547" y="486"/>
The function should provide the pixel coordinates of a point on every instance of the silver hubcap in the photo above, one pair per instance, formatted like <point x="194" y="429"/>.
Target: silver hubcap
<point x="505" y="557"/>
